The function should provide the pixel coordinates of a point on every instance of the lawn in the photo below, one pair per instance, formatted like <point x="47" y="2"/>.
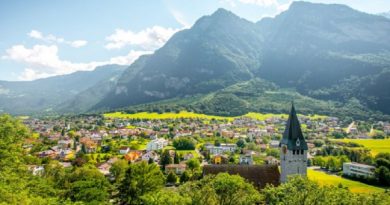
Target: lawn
<point x="354" y="186"/>
<point x="184" y="152"/>
<point x="375" y="145"/>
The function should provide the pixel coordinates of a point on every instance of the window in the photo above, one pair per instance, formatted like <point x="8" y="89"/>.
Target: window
<point x="293" y="152"/>
<point x="302" y="151"/>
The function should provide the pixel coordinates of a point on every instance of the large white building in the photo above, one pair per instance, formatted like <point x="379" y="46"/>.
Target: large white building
<point x="293" y="149"/>
<point x="221" y="149"/>
<point x="358" y="170"/>
<point x="157" y="144"/>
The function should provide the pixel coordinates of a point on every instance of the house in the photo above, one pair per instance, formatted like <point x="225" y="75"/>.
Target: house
<point x="219" y="159"/>
<point x="188" y="156"/>
<point x="227" y="133"/>
<point x="175" y="168"/>
<point x="105" y="168"/>
<point x="47" y="153"/>
<point x="157" y="144"/>
<point x="246" y="159"/>
<point x="271" y="160"/>
<point x="66" y="164"/>
<point x="150" y="155"/>
<point x="64" y="144"/>
<point x="89" y="144"/>
<point x="124" y="150"/>
<point x="358" y="170"/>
<point x="220" y="149"/>
<point x="274" y="144"/>
<point x="258" y="175"/>
<point x="132" y="156"/>
<point x="37" y="170"/>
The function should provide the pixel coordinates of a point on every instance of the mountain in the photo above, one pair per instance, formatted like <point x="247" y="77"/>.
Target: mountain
<point x="218" y="51"/>
<point x="45" y="95"/>
<point x="385" y="14"/>
<point x="328" y="58"/>
<point x="328" y="52"/>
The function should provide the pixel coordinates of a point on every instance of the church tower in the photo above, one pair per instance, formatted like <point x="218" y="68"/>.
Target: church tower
<point x="293" y="149"/>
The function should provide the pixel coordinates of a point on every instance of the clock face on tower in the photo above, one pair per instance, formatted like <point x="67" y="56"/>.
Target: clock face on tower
<point x="298" y="142"/>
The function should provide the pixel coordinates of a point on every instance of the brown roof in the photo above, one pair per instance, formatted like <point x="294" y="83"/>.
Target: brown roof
<point x="258" y="175"/>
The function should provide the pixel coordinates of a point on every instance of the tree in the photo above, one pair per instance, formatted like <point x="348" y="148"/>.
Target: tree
<point x="176" y="159"/>
<point x="165" y="197"/>
<point x="193" y="164"/>
<point x="165" y="159"/>
<point x="184" y="144"/>
<point x="185" y="176"/>
<point x="83" y="149"/>
<point x="88" y="185"/>
<point x="240" y="143"/>
<point x="217" y="143"/>
<point x="17" y="184"/>
<point x="140" y="179"/>
<point x="222" y="189"/>
<point x="383" y="175"/>
<point x="292" y="193"/>
<point x="118" y="170"/>
<point x="172" y="178"/>
<point x="150" y="161"/>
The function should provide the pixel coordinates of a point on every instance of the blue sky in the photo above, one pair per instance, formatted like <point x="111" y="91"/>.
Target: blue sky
<point x="44" y="38"/>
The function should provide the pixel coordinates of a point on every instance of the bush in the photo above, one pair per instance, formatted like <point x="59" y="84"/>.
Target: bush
<point x="184" y="144"/>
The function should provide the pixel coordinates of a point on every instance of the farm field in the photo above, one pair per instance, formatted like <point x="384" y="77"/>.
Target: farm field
<point x="375" y="145"/>
<point x="185" y="114"/>
<point x="162" y="116"/>
<point x="354" y="186"/>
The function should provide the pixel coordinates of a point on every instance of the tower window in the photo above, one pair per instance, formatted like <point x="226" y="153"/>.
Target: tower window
<point x="293" y="152"/>
<point x="302" y="151"/>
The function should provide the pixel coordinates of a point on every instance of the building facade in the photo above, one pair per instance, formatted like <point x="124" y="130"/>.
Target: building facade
<point x="293" y="149"/>
<point x="358" y="170"/>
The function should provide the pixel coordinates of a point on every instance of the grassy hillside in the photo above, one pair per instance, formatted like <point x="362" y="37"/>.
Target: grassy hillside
<point x="354" y="186"/>
<point x="375" y="145"/>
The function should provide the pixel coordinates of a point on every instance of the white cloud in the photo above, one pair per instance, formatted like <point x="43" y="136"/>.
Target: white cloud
<point x="149" y="38"/>
<point x="35" y="34"/>
<point x="260" y="2"/>
<point x="50" y="38"/>
<point x="179" y="17"/>
<point x="283" y="7"/>
<point x="78" y="43"/>
<point x="43" y="61"/>
<point x="129" y="58"/>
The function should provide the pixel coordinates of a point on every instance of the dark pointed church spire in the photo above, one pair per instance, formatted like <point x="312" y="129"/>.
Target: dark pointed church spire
<point x="292" y="136"/>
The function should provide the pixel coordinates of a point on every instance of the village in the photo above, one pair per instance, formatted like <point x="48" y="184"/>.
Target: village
<point x="182" y="146"/>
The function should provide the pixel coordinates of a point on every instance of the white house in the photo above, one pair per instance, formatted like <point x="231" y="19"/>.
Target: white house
<point x="157" y="144"/>
<point x="356" y="169"/>
<point x="37" y="170"/>
<point x="246" y="159"/>
<point x="221" y="149"/>
<point x="150" y="155"/>
<point x="124" y="150"/>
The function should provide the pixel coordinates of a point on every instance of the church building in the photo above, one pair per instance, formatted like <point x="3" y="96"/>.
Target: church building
<point x="293" y="159"/>
<point x="293" y="149"/>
